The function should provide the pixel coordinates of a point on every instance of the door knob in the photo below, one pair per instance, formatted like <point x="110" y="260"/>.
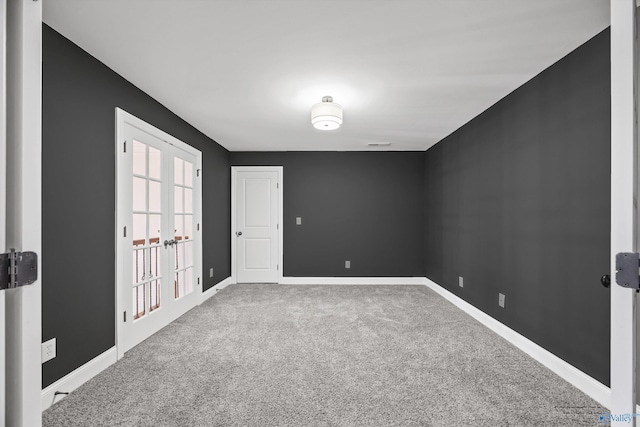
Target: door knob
<point x="239" y="233"/>
<point x="605" y="280"/>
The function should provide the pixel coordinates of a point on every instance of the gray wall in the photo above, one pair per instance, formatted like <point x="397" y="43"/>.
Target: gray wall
<point x="79" y="99"/>
<point x="365" y="207"/>
<point x="517" y="201"/>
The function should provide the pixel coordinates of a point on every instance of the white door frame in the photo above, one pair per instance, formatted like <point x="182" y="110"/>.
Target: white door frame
<point x="3" y="189"/>
<point x="123" y="217"/>
<point x="24" y="213"/>
<point x="624" y="186"/>
<point x="234" y="183"/>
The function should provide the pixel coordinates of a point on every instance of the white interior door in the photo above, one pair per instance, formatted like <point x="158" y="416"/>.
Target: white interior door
<point x="159" y="245"/>
<point x="257" y="213"/>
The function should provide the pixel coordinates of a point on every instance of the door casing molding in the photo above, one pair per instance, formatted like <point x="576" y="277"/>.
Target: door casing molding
<point x="234" y="248"/>
<point x="624" y="190"/>
<point x="22" y="50"/>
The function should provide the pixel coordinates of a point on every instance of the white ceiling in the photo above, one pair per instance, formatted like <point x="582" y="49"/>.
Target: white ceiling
<point x="246" y="72"/>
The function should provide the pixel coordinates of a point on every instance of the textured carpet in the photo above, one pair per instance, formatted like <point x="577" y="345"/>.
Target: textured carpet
<point x="279" y="355"/>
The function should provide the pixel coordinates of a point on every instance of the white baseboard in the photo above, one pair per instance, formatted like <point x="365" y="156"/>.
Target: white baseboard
<point x="212" y="290"/>
<point x="588" y="385"/>
<point x="352" y="281"/>
<point x="75" y="379"/>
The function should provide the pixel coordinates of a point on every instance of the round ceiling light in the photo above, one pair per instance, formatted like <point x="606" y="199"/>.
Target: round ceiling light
<point x="326" y="115"/>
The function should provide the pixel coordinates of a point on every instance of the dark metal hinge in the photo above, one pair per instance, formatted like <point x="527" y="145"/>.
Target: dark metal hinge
<point x="18" y="269"/>
<point x="125" y="146"/>
<point x="198" y="172"/>
<point x="628" y="270"/>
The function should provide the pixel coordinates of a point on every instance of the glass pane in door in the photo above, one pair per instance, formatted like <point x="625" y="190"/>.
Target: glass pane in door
<point x="155" y="163"/>
<point x="139" y="158"/>
<point x="154" y="295"/>
<point x="146" y="229"/>
<point x="139" y="309"/>
<point x="183" y="227"/>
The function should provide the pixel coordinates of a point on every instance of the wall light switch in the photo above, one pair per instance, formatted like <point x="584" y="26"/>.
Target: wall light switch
<point x="298" y="220"/>
<point x="211" y="272"/>
<point x="460" y="282"/>
<point x="347" y="264"/>
<point x="501" y="300"/>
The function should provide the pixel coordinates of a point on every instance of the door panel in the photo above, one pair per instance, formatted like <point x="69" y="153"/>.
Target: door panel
<point x="184" y="206"/>
<point x="257" y="254"/>
<point x="147" y="287"/>
<point x="257" y="202"/>
<point x="257" y="229"/>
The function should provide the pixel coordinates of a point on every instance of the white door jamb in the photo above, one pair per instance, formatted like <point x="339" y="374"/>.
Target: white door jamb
<point x="3" y="189"/>
<point x="24" y="190"/>
<point x="624" y="175"/>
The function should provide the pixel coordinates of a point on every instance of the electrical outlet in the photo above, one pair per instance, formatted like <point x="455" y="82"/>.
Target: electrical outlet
<point x="48" y="350"/>
<point x="501" y="300"/>
<point x="347" y="264"/>
<point x="460" y="281"/>
<point x="211" y="272"/>
<point x="298" y="220"/>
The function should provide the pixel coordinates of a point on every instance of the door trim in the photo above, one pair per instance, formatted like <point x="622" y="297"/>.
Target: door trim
<point x="234" y="181"/>
<point x="23" y="306"/>
<point x="624" y="175"/>
<point x="3" y="189"/>
<point x="123" y="118"/>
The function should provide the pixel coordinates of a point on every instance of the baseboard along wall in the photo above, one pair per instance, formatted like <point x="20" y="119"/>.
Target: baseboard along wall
<point x="84" y="373"/>
<point x="588" y="385"/>
<point x="214" y="289"/>
<point x="75" y="379"/>
<point x="352" y="281"/>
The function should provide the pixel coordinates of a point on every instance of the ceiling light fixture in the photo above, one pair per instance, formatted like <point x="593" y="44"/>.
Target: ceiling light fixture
<point x="326" y="115"/>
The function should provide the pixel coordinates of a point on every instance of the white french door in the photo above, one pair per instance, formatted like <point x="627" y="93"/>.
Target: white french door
<point x="256" y="218"/>
<point x="159" y="246"/>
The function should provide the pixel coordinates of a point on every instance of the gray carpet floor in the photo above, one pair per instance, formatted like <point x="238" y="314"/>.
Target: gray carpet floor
<point x="282" y="355"/>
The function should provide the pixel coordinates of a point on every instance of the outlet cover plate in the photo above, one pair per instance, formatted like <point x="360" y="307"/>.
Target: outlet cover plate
<point x="298" y="220"/>
<point x="211" y="272"/>
<point x="48" y="350"/>
<point x="501" y="300"/>
<point x="347" y="264"/>
<point x="460" y="281"/>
